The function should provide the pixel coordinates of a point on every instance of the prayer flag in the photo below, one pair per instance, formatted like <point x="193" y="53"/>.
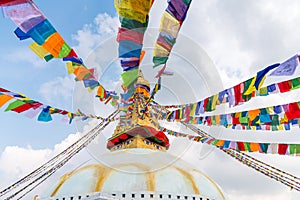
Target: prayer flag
<point x="38" y="50"/>
<point x="14" y="105"/>
<point x="4" y="98"/>
<point x="45" y="116"/>
<point x="129" y="77"/>
<point x="287" y="68"/>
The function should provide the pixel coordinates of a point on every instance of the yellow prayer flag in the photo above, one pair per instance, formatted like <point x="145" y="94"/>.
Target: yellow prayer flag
<point x="133" y="9"/>
<point x="214" y="101"/>
<point x="284" y="119"/>
<point x="70" y="67"/>
<point x="142" y="6"/>
<point x="281" y="127"/>
<point x="270" y="110"/>
<point x="193" y="109"/>
<point x="38" y="50"/>
<point x="169" y="25"/>
<point x="159" y="51"/>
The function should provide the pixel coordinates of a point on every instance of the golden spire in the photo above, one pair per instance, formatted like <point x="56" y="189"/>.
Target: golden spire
<point x="138" y="127"/>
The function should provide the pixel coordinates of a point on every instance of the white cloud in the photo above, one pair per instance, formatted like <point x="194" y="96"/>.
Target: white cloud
<point x="92" y="35"/>
<point x="16" y="162"/>
<point x="58" y="91"/>
<point x="24" y="55"/>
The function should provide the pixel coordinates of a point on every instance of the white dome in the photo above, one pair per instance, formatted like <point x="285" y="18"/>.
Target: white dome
<point x="137" y="170"/>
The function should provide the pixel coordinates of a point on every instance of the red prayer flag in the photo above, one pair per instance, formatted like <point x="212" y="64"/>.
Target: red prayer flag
<point x="238" y="94"/>
<point x="205" y="102"/>
<point x="282" y="149"/>
<point x="22" y="108"/>
<point x="293" y="111"/>
<point x="241" y="146"/>
<point x="284" y="86"/>
<point x="72" y="54"/>
<point x="126" y="34"/>
<point x="3" y="90"/>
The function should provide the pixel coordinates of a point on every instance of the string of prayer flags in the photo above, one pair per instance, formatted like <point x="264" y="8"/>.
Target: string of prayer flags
<point x="134" y="17"/>
<point x="252" y="87"/>
<point x="48" y="43"/>
<point x="170" y="25"/>
<point x="266" y="148"/>
<point x="234" y="96"/>
<point x="279" y="117"/>
<point x="21" y="104"/>
<point x="134" y="21"/>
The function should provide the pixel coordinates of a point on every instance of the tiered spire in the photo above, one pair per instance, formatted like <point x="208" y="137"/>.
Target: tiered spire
<point x="139" y="127"/>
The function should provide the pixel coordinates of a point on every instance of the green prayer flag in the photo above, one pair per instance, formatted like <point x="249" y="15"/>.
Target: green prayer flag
<point x="129" y="77"/>
<point x="64" y="51"/>
<point x="247" y="146"/>
<point x="294" y="148"/>
<point x="14" y="105"/>
<point x="244" y="120"/>
<point x="275" y="120"/>
<point x="133" y="24"/>
<point x="213" y="120"/>
<point x="214" y="142"/>
<point x="209" y="104"/>
<point x="159" y="61"/>
<point x="274" y="128"/>
<point x="295" y="83"/>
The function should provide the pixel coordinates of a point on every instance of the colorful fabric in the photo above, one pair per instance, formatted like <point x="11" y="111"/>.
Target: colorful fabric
<point x="170" y="25"/>
<point x="25" y="15"/>
<point x="266" y="148"/>
<point x="21" y="104"/>
<point x="133" y="9"/>
<point x="287" y="68"/>
<point x="48" y="43"/>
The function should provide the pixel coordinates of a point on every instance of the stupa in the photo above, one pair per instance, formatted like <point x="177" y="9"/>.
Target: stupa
<point x="138" y="165"/>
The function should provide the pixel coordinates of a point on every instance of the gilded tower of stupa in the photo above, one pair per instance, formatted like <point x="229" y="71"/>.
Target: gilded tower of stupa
<point x="139" y="128"/>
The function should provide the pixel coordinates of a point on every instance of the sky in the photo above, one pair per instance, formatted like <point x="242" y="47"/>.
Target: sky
<point x="234" y="38"/>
